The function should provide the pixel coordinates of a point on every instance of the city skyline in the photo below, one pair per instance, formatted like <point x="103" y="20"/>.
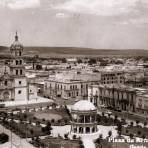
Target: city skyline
<point x="107" y="24"/>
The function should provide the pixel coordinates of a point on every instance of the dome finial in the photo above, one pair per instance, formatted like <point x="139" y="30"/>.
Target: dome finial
<point x="16" y="37"/>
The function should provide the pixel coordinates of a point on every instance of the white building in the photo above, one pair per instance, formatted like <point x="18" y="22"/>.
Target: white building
<point x="68" y="85"/>
<point x="114" y="96"/>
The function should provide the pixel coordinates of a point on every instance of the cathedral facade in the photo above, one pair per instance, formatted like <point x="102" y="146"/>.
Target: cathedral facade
<point x="13" y="84"/>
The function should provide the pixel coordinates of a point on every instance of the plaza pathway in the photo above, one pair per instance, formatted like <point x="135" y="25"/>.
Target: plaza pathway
<point x="17" y="142"/>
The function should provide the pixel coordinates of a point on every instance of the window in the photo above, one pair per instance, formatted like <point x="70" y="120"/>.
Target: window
<point x="16" y="62"/>
<point x="20" y="82"/>
<point x="16" y="72"/>
<point x="19" y="92"/>
<point x="6" y="83"/>
<point x="21" y="72"/>
<point x="70" y="87"/>
<point x="20" y="53"/>
<point x="20" y="62"/>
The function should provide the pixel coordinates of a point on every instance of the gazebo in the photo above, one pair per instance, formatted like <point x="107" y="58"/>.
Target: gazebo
<point x="83" y="118"/>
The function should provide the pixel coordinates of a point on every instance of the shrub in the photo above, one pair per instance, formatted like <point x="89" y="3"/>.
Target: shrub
<point x="4" y="138"/>
<point x="131" y="135"/>
<point x="110" y="133"/>
<point x="127" y="131"/>
<point x="74" y="137"/>
<point x="139" y="132"/>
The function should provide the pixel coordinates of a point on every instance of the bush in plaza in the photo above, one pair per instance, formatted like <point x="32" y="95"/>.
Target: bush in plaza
<point x="74" y="137"/>
<point x="145" y="123"/>
<point x="4" y="138"/>
<point x="137" y="131"/>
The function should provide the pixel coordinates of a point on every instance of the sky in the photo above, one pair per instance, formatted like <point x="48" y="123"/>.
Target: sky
<point x="100" y="24"/>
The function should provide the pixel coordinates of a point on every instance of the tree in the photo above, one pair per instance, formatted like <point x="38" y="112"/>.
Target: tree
<point x="38" y="67"/>
<point x="79" y="61"/>
<point x="43" y="120"/>
<point x="139" y="133"/>
<point x="100" y="136"/>
<point x="64" y="60"/>
<point x="31" y="131"/>
<point x="131" y="124"/>
<point x="131" y="136"/>
<point x="92" y="61"/>
<point x="137" y="122"/>
<point x="103" y="114"/>
<point x="143" y="136"/>
<point x="74" y="137"/>
<point x="52" y="120"/>
<point x="119" y="127"/>
<point x="145" y="124"/>
<point x="4" y="138"/>
<point x="110" y="133"/>
<point x="47" y="129"/>
<point x="66" y="136"/>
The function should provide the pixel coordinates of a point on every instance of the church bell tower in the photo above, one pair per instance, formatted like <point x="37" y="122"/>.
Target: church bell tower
<point x="17" y="70"/>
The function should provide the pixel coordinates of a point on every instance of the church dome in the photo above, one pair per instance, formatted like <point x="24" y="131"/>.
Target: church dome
<point x="83" y="105"/>
<point x="16" y="44"/>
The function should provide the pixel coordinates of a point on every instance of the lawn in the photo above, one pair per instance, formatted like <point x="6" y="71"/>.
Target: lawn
<point x="59" y="142"/>
<point x="137" y="131"/>
<point x="48" y="116"/>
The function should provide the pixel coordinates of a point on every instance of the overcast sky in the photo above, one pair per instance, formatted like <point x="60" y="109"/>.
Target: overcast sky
<point x="76" y="23"/>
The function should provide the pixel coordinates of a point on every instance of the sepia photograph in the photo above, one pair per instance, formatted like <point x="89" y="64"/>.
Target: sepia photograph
<point x="74" y="74"/>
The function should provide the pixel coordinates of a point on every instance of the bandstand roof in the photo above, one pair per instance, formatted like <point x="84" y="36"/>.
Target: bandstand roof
<point x="83" y="105"/>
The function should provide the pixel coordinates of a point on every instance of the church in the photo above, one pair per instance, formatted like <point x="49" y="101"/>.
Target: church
<point x="13" y="84"/>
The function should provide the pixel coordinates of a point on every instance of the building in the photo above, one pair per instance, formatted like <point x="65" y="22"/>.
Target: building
<point x="142" y="104"/>
<point x="7" y="92"/>
<point x="13" y="85"/>
<point x="83" y="118"/>
<point x="68" y="85"/>
<point x="93" y="92"/>
<point x="142" y="101"/>
<point x="136" y="80"/>
<point x="112" y="77"/>
<point x="114" y="96"/>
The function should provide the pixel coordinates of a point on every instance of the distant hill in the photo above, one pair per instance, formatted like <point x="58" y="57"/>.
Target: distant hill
<point x="3" y="49"/>
<point x="72" y="51"/>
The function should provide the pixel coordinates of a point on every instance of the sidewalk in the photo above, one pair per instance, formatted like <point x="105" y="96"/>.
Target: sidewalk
<point x="16" y="140"/>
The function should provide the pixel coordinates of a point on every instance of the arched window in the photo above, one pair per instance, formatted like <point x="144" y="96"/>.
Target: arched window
<point x="87" y="129"/>
<point x="6" y="95"/>
<point x="21" y="72"/>
<point x="20" y="62"/>
<point x="16" y="72"/>
<point x="80" y="129"/>
<point x="16" y="62"/>
<point x="6" y="83"/>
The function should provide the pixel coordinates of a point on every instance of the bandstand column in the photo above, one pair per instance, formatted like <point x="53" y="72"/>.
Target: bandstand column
<point x="84" y="130"/>
<point x="77" y="129"/>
